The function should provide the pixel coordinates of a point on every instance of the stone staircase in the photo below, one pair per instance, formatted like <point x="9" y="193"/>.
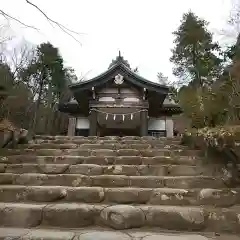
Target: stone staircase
<point x="106" y="188"/>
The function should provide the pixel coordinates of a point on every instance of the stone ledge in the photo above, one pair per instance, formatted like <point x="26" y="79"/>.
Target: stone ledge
<point x="78" y="180"/>
<point x="73" y="215"/>
<point x="98" y="160"/>
<point x="104" y="234"/>
<point x="92" y="146"/>
<point x="115" y="138"/>
<point x="158" y="196"/>
<point x="100" y="152"/>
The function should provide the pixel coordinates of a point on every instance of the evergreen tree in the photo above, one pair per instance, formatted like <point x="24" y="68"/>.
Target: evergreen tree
<point x="47" y="74"/>
<point x="194" y="52"/>
<point x="6" y="83"/>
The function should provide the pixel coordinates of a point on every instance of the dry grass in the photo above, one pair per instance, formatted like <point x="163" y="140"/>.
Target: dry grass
<point x="6" y="125"/>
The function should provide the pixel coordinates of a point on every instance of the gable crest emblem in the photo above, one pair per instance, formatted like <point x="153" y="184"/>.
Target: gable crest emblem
<point x="118" y="79"/>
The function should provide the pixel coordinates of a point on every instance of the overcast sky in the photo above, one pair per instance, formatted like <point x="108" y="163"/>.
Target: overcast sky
<point x="141" y="29"/>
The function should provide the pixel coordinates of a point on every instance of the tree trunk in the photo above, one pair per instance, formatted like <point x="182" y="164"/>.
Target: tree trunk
<point x="50" y="110"/>
<point x="35" y="115"/>
<point x="195" y="65"/>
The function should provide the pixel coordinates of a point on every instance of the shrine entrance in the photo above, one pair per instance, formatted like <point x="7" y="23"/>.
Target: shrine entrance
<point x="119" y="121"/>
<point x="118" y="132"/>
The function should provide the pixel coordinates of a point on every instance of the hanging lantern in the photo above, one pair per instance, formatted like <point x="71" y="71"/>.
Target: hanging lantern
<point x="106" y="116"/>
<point x="123" y="117"/>
<point x="131" y="116"/>
<point x="114" y="117"/>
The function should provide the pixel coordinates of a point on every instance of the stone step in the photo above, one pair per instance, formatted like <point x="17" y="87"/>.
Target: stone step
<point x="153" y="143"/>
<point x="77" y="180"/>
<point x="147" y="138"/>
<point x="93" y="146"/>
<point x="101" y="160"/>
<point x="74" y="215"/>
<point x="79" y="141"/>
<point x="106" y="234"/>
<point x="101" y="152"/>
<point x="101" y="140"/>
<point x="95" y="169"/>
<point x="157" y="196"/>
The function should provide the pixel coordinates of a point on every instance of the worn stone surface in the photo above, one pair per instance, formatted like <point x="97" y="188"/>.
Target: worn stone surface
<point x="45" y="194"/>
<point x="103" y="153"/>
<point x="85" y="194"/>
<point x="185" y="170"/>
<point x="174" y="237"/>
<point x="123" y="217"/>
<point x="53" y="168"/>
<point x="40" y="234"/>
<point x="170" y="196"/>
<point x="59" y="160"/>
<point x="13" y="193"/>
<point x="94" y="146"/>
<point x="20" y="215"/>
<point x="99" y="160"/>
<point x="128" y="170"/>
<point x="176" y="218"/>
<point x="12" y="233"/>
<point x="72" y="215"/>
<point x="52" y="146"/>
<point x="156" y="160"/>
<point x="110" y="181"/>
<point x="6" y="178"/>
<point x="225" y="236"/>
<point x="74" y="180"/>
<point x="103" y="235"/>
<point x="53" y="152"/>
<point x="127" y="195"/>
<point x="146" y="181"/>
<point x="69" y="215"/>
<point x="223" y="219"/>
<point x="129" y="160"/>
<point x="121" y="183"/>
<point x="122" y="195"/>
<point x="194" y="182"/>
<point x="36" y="168"/>
<point x="2" y="167"/>
<point x="151" y="170"/>
<point x="30" y="179"/>
<point x="86" y="169"/>
<point x="95" y="169"/>
<point x="128" y="152"/>
<point x="21" y="168"/>
<point x="155" y="153"/>
<point x="217" y="197"/>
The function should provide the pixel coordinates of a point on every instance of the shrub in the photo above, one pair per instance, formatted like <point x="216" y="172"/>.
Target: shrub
<point x="220" y="143"/>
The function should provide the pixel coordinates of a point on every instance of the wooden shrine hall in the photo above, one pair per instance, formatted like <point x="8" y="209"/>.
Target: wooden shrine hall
<point x="119" y="102"/>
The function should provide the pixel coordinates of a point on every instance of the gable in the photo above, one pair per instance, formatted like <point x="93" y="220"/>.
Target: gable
<point x="111" y="92"/>
<point x="128" y="77"/>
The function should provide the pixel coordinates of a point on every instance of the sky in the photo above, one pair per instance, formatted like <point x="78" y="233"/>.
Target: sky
<point x="140" y="29"/>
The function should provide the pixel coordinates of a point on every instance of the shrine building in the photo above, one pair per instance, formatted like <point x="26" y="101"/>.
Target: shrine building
<point x="119" y="102"/>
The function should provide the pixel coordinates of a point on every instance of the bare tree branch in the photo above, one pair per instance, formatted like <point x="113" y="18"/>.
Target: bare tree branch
<point x="7" y="16"/>
<point x="62" y="27"/>
<point x="232" y="28"/>
<point x="66" y="30"/>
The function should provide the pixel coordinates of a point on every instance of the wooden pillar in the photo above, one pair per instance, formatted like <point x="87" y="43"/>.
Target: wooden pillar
<point x="169" y="127"/>
<point x="72" y="126"/>
<point x="93" y="123"/>
<point x="144" y="123"/>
